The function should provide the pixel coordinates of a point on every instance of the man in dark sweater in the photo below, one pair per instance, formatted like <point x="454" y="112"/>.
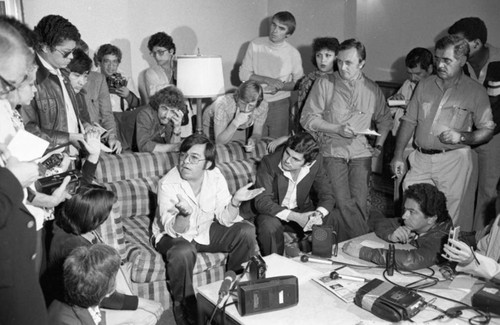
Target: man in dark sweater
<point x="425" y="225"/>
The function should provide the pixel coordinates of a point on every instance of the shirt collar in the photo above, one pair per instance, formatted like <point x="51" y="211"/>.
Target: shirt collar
<point x="48" y="66"/>
<point x="456" y="82"/>
<point x="304" y="170"/>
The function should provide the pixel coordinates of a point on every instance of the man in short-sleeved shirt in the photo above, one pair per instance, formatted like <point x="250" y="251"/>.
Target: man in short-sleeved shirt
<point x="442" y="113"/>
<point x="483" y="65"/>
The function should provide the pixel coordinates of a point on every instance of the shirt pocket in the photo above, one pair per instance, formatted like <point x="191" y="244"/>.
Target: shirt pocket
<point x="455" y="117"/>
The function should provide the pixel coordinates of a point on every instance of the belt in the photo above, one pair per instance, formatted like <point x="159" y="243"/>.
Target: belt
<point x="433" y="151"/>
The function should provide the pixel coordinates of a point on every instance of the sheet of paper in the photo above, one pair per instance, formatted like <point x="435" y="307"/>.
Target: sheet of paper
<point x="26" y="146"/>
<point x="463" y="282"/>
<point x="372" y="244"/>
<point x="394" y="102"/>
<point x="368" y="132"/>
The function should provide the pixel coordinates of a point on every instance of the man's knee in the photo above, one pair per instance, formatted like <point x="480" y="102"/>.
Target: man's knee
<point x="182" y="252"/>
<point x="246" y="230"/>
<point x="268" y="225"/>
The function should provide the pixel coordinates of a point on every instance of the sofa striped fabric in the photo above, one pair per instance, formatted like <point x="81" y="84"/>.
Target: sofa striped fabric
<point x="133" y="177"/>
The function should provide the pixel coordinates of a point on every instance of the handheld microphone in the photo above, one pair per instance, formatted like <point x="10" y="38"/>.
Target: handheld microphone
<point x="226" y="285"/>
<point x="389" y="260"/>
<point x="334" y="275"/>
<point x="305" y="258"/>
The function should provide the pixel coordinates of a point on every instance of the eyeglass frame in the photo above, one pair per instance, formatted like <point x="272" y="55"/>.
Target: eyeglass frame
<point x="252" y="107"/>
<point x="9" y="87"/>
<point x="158" y="52"/>
<point x="65" y="54"/>
<point x="184" y="155"/>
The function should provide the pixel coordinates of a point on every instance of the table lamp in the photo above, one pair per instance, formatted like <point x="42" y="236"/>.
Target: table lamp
<point x="200" y="76"/>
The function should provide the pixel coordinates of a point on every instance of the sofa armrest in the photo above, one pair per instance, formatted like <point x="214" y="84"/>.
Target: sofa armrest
<point x="111" y="231"/>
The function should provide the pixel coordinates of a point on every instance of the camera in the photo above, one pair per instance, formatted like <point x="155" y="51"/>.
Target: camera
<point x="257" y="268"/>
<point x="47" y="185"/>
<point x="115" y="81"/>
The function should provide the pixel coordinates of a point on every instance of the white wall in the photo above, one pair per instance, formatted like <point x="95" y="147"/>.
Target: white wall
<point x="389" y="28"/>
<point x="216" y="27"/>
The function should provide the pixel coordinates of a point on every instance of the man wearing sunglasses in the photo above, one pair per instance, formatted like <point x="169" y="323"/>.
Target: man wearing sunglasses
<point x="54" y="114"/>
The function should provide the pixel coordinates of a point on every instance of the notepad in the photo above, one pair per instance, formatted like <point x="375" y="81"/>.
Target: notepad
<point x="26" y="146"/>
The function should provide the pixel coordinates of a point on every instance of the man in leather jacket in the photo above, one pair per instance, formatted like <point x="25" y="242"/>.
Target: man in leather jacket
<point x="54" y="113"/>
<point x="425" y="225"/>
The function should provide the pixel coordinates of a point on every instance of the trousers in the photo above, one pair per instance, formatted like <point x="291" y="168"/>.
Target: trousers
<point x="180" y="255"/>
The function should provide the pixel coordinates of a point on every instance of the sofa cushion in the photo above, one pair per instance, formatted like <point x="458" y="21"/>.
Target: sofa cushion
<point x="235" y="151"/>
<point x="135" y="165"/>
<point x="137" y="197"/>
<point x="238" y="173"/>
<point x="147" y="263"/>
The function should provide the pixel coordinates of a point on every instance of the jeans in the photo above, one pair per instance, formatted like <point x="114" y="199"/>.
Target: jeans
<point x="350" y="180"/>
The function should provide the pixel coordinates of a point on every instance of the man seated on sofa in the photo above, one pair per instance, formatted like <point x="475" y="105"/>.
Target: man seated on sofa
<point x="425" y="225"/>
<point x="293" y="177"/>
<point x="158" y="124"/>
<point x="196" y="213"/>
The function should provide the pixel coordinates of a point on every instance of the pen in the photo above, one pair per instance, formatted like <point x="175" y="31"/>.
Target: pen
<point x="474" y="254"/>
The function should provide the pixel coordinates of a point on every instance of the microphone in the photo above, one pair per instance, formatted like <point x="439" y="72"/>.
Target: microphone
<point x="305" y="258"/>
<point x="389" y="260"/>
<point x="334" y="275"/>
<point x="226" y="285"/>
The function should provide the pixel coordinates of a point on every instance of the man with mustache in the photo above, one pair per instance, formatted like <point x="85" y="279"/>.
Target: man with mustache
<point x="448" y="113"/>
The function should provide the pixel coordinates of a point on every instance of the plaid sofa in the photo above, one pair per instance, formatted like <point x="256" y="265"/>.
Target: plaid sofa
<point x="134" y="177"/>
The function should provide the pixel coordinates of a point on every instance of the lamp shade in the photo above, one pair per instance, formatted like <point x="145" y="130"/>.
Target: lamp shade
<point x="200" y="76"/>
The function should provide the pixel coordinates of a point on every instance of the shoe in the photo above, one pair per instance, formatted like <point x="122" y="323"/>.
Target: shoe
<point x="180" y="314"/>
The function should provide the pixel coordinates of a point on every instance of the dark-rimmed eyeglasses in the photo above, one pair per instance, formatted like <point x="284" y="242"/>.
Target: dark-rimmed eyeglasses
<point x="8" y="86"/>
<point x="65" y="54"/>
<point x="189" y="159"/>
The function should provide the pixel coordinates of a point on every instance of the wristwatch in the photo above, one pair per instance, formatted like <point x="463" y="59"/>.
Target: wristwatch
<point x="462" y="138"/>
<point x="378" y="147"/>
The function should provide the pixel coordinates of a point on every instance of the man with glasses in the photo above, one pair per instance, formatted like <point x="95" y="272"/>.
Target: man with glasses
<point x="448" y="113"/>
<point x="162" y="48"/>
<point x="238" y="116"/>
<point x="158" y="124"/>
<point x="196" y="213"/>
<point x="54" y="114"/>
<point x="108" y="59"/>
<point x="425" y="224"/>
